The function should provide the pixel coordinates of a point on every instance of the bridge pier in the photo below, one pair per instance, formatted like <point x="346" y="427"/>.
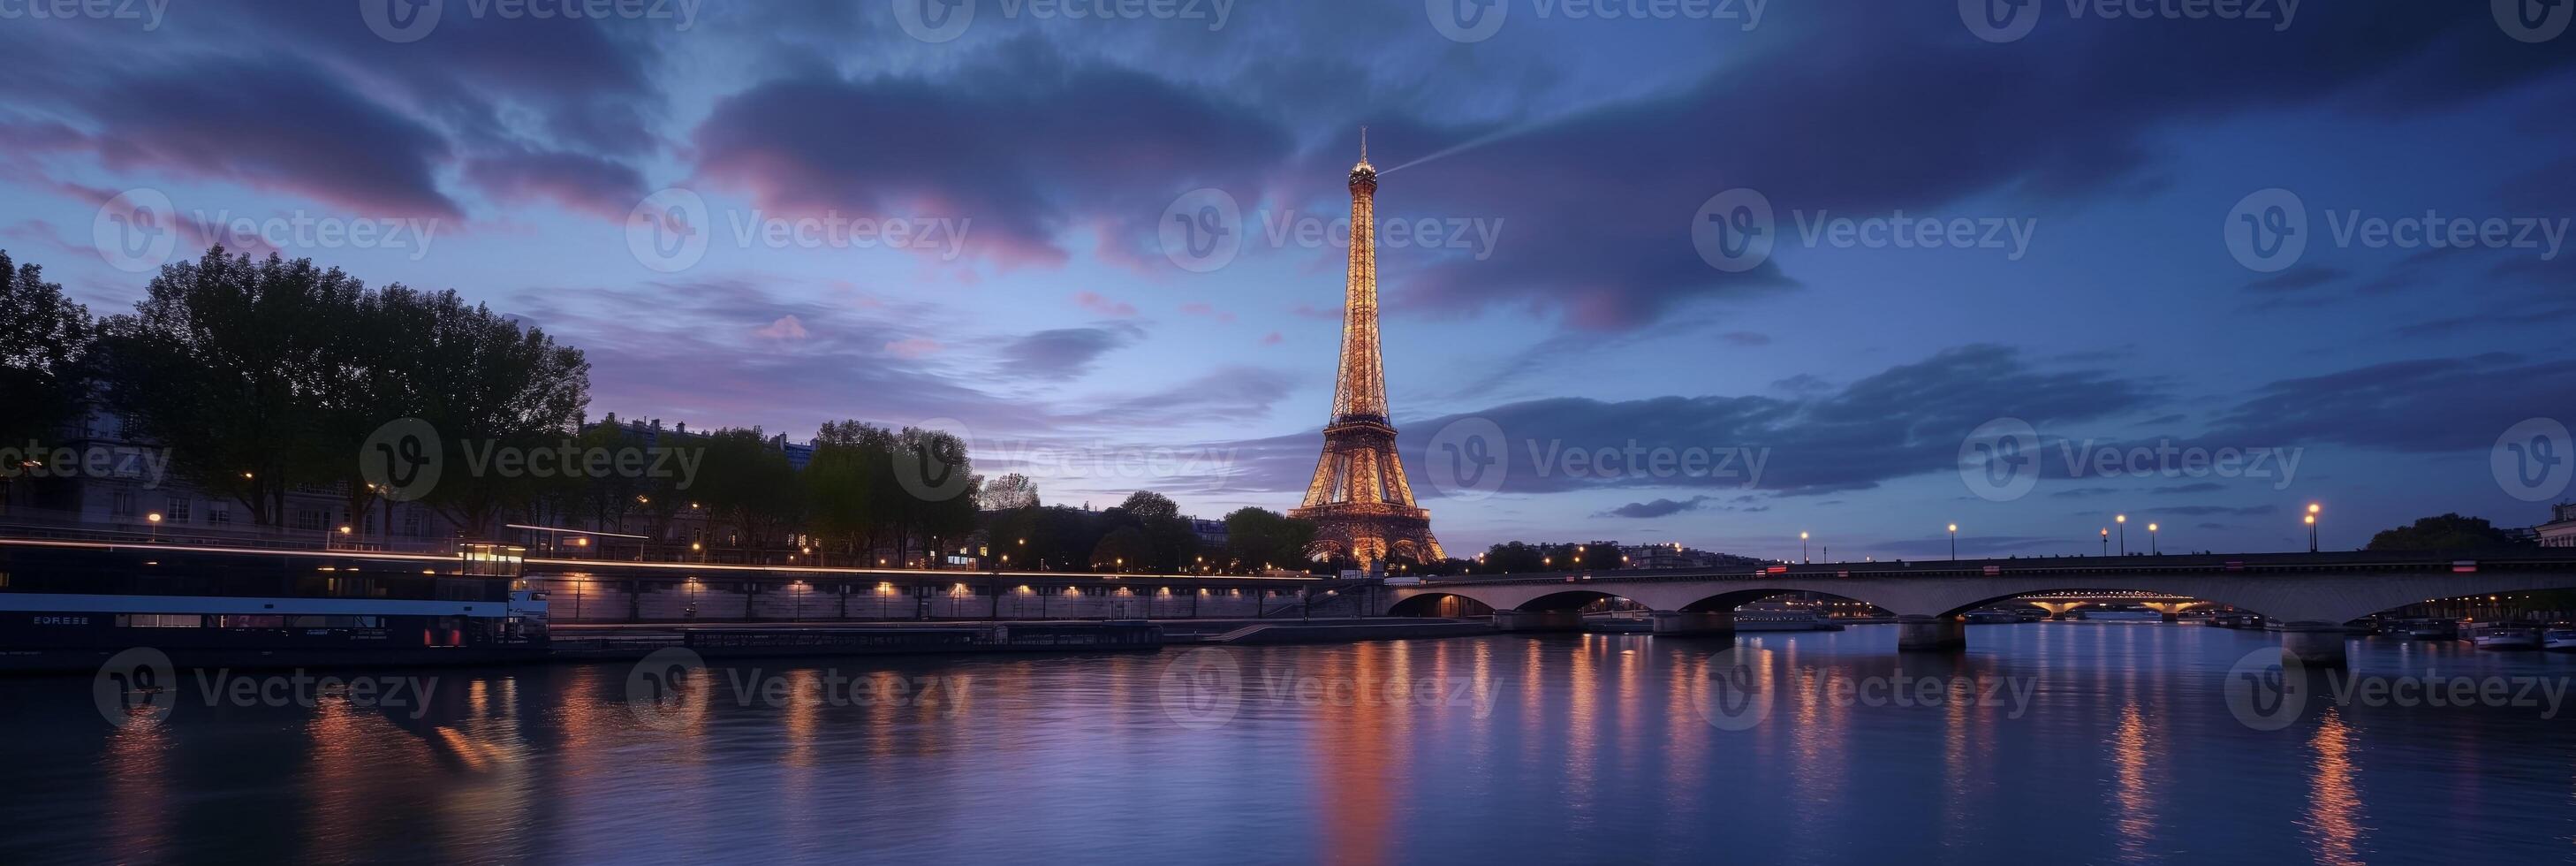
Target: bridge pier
<point x="2316" y="644"/>
<point x="1920" y="633"/>
<point x="1684" y="623"/>
<point x="1538" y="620"/>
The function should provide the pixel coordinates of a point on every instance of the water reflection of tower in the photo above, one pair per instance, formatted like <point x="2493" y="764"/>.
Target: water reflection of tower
<point x="1361" y="756"/>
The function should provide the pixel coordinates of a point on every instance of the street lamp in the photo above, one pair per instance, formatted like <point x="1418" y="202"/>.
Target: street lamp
<point x="2123" y="521"/>
<point x="2151" y="539"/>
<point x="1954" y="541"/>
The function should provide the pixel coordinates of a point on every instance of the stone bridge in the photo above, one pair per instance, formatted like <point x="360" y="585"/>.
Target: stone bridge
<point x="2311" y="595"/>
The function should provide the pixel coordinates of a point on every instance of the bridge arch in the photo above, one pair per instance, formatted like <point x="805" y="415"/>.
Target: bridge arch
<point x="1439" y="604"/>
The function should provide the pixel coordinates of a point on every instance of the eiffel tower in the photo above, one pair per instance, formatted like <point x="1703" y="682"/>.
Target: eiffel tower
<point x="1360" y="503"/>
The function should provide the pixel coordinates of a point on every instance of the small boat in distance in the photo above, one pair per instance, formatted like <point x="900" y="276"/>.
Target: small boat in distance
<point x="2559" y="638"/>
<point x="2507" y="637"/>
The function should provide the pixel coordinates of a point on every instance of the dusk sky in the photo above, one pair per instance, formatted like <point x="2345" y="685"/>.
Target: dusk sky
<point x="1039" y="304"/>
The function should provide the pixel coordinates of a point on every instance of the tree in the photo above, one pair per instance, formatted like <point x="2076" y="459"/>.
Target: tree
<point x="2446" y="532"/>
<point x="750" y="486"/>
<point x="1123" y="548"/>
<point x="223" y="362"/>
<point x="1011" y="491"/>
<point x="45" y="341"/>
<point x="1262" y="538"/>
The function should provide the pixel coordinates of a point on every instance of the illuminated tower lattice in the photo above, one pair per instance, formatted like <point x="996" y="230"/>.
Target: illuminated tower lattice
<point x="1359" y="501"/>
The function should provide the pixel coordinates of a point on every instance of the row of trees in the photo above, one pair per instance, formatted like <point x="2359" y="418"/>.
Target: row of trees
<point x="265" y="376"/>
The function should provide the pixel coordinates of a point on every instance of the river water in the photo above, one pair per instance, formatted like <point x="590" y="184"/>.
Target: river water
<point x="2051" y="742"/>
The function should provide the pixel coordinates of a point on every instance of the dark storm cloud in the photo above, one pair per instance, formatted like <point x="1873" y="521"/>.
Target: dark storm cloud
<point x="1028" y="145"/>
<point x="576" y="181"/>
<point x="1064" y="353"/>
<point x="1658" y="508"/>
<point x="2414" y="406"/>
<point x="1901" y="108"/>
